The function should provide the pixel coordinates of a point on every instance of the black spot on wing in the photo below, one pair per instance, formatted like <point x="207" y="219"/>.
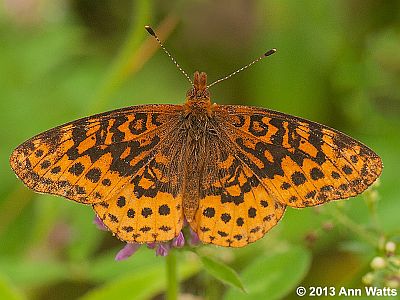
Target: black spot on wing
<point x="93" y="175"/>
<point x="298" y="178"/>
<point x="209" y="212"/>
<point x="164" y="210"/>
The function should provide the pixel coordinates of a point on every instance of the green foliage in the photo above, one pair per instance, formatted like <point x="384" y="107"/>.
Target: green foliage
<point x="222" y="272"/>
<point x="34" y="273"/>
<point x="8" y="292"/>
<point x="337" y="63"/>
<point x="275" y="275"/>
<point x="139" y="281"/>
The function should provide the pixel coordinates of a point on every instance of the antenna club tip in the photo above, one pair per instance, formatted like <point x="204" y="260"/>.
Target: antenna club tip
<point x="270" y="52"/>
<point x="150" y="30"/>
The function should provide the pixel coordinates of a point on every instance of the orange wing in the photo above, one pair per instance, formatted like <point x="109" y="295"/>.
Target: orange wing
<point x="149" y="207"/>
<point x="260" y="161"/>
<point x="235" y="208"/>
<point x="302" y="163"/>
<point x="82" y="159"/>
<point x="118" y="162"/>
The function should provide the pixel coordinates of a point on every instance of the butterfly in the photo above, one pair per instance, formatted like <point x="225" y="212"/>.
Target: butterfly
<point x="229" y="171"/>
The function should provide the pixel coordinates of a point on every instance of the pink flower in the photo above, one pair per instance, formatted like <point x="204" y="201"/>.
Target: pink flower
<point x="179" y="241"/>
<point x="99" y="224"/>
<point x="194" y="238"/>
<point x="127" y="251"/>
<point x="151" y="245"/>
<point x="161" y="248"/>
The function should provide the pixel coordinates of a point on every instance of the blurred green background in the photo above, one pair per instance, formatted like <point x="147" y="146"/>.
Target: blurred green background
<point x="338" y="63"/>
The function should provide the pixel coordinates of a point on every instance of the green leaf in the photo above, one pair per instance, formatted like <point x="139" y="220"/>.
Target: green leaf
<point x="33" y="273"/>
<point x="136" y="285"/>
<point x="142" y="282"/>
<point x="105" y="268"/>
<point x="222" y="272"/>
<point x="273" y="276"/>
<point x="7" y="291"/>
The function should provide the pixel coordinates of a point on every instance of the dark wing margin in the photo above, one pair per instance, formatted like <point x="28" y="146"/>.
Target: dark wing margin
<point x="82" y="159"/>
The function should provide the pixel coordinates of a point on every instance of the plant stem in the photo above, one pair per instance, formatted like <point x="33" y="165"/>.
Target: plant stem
<point x="371" y="200"/>
<point x="117" y="74"/>
<point x="172" y="277"/>
<point x="353" y="226"/>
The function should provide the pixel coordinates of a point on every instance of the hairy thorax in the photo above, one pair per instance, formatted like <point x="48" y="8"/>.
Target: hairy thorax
<point x="197" y="129"/>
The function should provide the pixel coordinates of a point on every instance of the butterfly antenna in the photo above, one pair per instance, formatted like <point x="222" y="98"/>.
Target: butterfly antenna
<point x="268" y="53"/>
<point x="151" y="31"/>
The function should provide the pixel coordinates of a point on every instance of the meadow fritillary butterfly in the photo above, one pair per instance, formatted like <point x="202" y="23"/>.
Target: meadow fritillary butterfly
<point x="229" y="170"/>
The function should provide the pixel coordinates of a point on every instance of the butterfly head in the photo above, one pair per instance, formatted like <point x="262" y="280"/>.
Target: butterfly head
<point x="199" y="91"/>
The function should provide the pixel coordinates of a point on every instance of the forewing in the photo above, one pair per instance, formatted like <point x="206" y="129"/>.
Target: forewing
<point x="302" y="163"/>
<point x="90" y="159"/>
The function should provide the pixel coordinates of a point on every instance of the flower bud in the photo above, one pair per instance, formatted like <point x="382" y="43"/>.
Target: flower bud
<point x="390" y="247"/>
<point x="378" y="263"/>
<point x="368" y="278"/>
